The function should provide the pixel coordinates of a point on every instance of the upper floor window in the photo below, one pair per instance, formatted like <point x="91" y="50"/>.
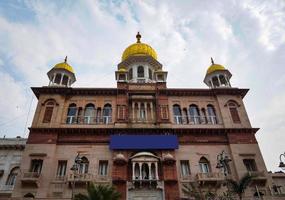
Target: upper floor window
<point x="212" y="118"/>
<point x="89" y="113"/>
<point x="234" y="111"/>
<point x="204" y="165"/>
<point x="107" y="114"/>
<point x="103" y="167"/>
<point x="48" y="111"/>
<point x="12" y="176"/>
<point x="36" y="166"/>
<point x="164" y="111"/>
<point x="71" y="114"/>
<point x="140" y="71"/>
<point x="250" y="164"/>
<point x="142" y="112"/>
<point x="177" y="114"/>
<point x="83" y="166"/>
<point x="131" y="74"/>
<point x="61" y="168"/>
<point x="194" y="114"/>
<point x="185" y="168"/>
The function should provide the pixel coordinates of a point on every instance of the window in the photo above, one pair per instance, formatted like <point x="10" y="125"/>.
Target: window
<point x="48" y="112"/>
<point x="234" y="112"/>
<point x="122" y="77"/>
<point x="121" y="112"/>
<point x="103" y="167"/>
<point x="204" y="165"/>
<point x="212" y="118"/>
<point x="83" y="166"/>
<point x="61" y="168"/>
<point x="57" y="78"/>
<point x="223" y="80"/>
<point x="107" y="114"/>
<point x="194" y="114"/>
<point x="145" y="171"/>
<point x="164" y="112"/>
<point x="131" y="74"/>
<point x="185" y="169"/>
<point x="215" y="81"/>
<point x="177" y="114"/>
<point x="12" y="176"/>
<point x="71" y="114"/>
<point x="140" y="71"/>
<point x="89" y="113"/>
<point x="250" y="164"/>
<point x="65" y="80"/>
<point x="36" y="166"/>
<point x="160" y="77"/>
<point x="150" y="74"/>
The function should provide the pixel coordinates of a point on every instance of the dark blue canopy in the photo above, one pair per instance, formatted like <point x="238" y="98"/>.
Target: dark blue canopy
<point x="144" y="142"/>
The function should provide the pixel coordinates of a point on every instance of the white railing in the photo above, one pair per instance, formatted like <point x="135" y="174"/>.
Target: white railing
<point x="7" y="187"/>
<point x="80" y="177"/>
<point x="193" y="120"/>
<point x="210" y="176"/>
<point x="88" y="120"/>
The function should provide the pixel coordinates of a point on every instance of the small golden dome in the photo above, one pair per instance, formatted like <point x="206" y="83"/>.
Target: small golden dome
<point x="139" y="49"/>
<point x="64" y="65"/>
<point x="215" y="67"/>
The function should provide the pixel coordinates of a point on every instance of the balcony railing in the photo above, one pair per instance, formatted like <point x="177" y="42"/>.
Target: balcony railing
<point x="193" y="120"/>
<point x="7" y="187"/>
<point x="31" y="178"/>
<point x="88" y="120"/>
<point x="80" y="177"/>
<point x="211" y="176"/>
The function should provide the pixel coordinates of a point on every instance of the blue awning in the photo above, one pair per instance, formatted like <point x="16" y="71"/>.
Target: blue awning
<point x="144" y="142"/>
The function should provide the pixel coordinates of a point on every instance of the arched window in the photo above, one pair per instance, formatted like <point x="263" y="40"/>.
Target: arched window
<point x="212" y="118"/>
<point x="48" y="111"/>
<point x="142" y="112"/>
<point x="107" y="114"/>
<point x="29" y="196"/>
<point x="83" y="166"/>
<point x="140" y="71"/>
<point x="12" y="176"/>
<point x="89" y="113"/>
<point x="71" y="114"/>
<point x="150" y="73"/>
<point x="204" y="165"/>
<point x="215" y="81"/>
<point x="153" y="175"/>
<point x="194" y="114"/>
<point x="234" y="111"/>
<point x="223" y="80"/>
<point x="131" y="74"/>
<point x="177" y="114"/>
<point x="137" y="171"/>
<point x="145" y="171"/>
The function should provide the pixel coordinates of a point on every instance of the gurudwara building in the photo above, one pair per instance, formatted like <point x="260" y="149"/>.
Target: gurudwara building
<point x="145" y="139"/>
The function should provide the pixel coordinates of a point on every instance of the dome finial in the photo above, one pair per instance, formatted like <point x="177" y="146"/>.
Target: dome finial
<point x="65" y="59"/>
<point x="212" y="61"/>
<point x="138" y="36"/>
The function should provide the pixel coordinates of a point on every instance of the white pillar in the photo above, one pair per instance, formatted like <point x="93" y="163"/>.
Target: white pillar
<point x="134" y="170"/>
<point x="212" y="85"/>
<point x="139" y="111"/>
<point x="61" y="78"/>
<point x="133" y="107"/>
<point x="156" y="171"/>
<point x="53" y="79"/>
<point x="151" y="110"/>
<point x="149" y="171"/>
<point x="68" y="82"/>
<point x="219" y="81"/>
<point x="145" y="107"/>
<point x="140" y="165"/>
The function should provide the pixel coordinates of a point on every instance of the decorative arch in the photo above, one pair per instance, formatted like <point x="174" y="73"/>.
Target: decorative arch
<point x="71" y="114"/>
<point x="140" y="71"/>
<point x="89" y="113"/>
<point x="233" y="109"/>
<point x="11" y="180"/>
<point x="49" y="107"/>
<point x="194" y="114"/>
<point x="107" y="113"/>
<point x="83" y="166"/>
<point x="177" y="114"/>
<point x="204" y="165"/>
<point x="29" y="195"/>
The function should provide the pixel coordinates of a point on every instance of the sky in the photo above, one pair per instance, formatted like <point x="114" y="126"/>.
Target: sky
<point x="246" y="36"/>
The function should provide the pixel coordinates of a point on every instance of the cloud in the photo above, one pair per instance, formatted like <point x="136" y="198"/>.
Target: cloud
<point x="247" y="37"/>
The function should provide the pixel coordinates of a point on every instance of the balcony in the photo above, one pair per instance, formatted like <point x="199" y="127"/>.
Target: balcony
<point x="102" y="179"/>
<point x="87" y="120"/>
<point x="212" y="178"/>
<point x="187" y="178"/>
<point x="31" y="179"/>
<point x="155" y="184"/>
<point x="182" y="120"/>
<point x="6" y="188"/>
<point x="80" y="178"/>
<point x="59" y="179"/>
<point x="259" y="177"/>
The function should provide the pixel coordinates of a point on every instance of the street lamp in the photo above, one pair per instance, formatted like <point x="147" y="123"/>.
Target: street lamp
<point x="222" y="162"/>
<point x="281" y="164"/>
<point x="74" y="169"/>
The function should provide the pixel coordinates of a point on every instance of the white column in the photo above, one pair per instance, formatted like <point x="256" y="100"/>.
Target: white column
<point x="219" y="81"/>
<point x="139" y="111"/>
<point x="156" y="171"/>
<point x="145" y="107"/>
<point x="68" y="82"/>
<point x="134" y="170"/>
<point x="53" y="79"/>
<point x="146" y="75"/>
<point x="140" y="165"/>
<point x="149" y="171"/>
<point x="212" y="85"/>
<point x="151" y="110"/>
<point x="133" y="107"/>
<point x="61" y="78"/>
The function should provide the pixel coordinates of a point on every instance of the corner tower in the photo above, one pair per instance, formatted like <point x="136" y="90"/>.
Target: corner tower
<point x="139" y="64"/>
<point x="217" y="76"/>
<point x="61" y="75"/>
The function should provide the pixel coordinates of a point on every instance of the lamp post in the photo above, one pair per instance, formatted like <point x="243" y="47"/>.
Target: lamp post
<point x="281" y="164"/>
<point x="222" y="162"/>
<point x="74" y="169"/>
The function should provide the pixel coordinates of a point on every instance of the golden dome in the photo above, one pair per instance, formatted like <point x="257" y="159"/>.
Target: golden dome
<point x="139" y="49"/>
<point x="215" y="67"/>
<point x="64" y="65"/>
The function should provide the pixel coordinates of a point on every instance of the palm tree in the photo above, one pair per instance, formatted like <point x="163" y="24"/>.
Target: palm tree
<point x="99" y="192"/>
<point x="240" y="186"/>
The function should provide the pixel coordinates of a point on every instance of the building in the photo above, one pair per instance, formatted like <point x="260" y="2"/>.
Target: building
<point x="144" y="138"/>
<point x="11" y="150"/>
